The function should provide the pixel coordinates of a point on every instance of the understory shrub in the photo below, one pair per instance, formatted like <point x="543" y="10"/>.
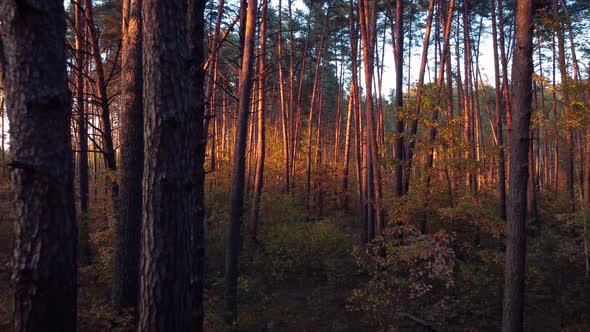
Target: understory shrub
<point x="408" y="273"/>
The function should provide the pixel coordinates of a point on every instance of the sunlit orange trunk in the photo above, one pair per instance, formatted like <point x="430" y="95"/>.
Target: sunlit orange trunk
<point x="367" y="15"/>
<point x="261" y="139"/>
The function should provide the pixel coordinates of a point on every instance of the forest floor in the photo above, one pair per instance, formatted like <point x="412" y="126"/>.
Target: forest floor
<point x="293" y="293"/>
<point x="303" y="276"/>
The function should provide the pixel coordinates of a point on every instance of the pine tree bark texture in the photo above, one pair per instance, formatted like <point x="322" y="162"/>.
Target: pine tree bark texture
<point x="32" y="53"/>
<point x="239" y="166"/>
<point x="522" y="70"/>
<point x="171" y="194"/>
<point x="125" y="289"/>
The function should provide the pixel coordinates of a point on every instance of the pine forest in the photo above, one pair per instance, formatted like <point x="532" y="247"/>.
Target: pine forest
<point x="294" y="165"/>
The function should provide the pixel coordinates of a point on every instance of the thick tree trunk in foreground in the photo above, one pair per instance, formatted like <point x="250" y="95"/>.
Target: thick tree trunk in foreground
<point x="239" y="166"/>
<point x="38" y="104"/>
<point x="171" y="195"/>
<point x="522" y="71"/>
<point x="125" y="291"/>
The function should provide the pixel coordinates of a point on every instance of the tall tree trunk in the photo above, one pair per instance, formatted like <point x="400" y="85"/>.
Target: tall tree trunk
<point x="211" y="93"/>
<point x="101" y="87"/>
<point x="108" y="147"/>
<point x="171" y="181"/>
<point x="468" y="96"/>
<point x="556" y="153"/>
<point x="196" y="35"/>
<point x="212" y="86"/>
<point x="357" y="120"/>
<point x="360" y="169"/>
<point x="238" y="168"/>
<point x="347" y="141"/>
<point x="351" y="103"/>
<point x="586" y="195"/>
<point x="531" y="196"/>
<point x="499" y="121"/>
<point x="44" y="275"/>
<point x="522" y="70"/>
<point x="82" y="124"/>
<point x="125" y="292"/>
<point x="368" y="20"/>
<point x="314" y="93"/>
<point x="338" y="119"/>
<point x="319" y="191"/>
<point x="261" y="139"/>
<point x="2" y="149"/>
<point x="440" y="77"/>
<point x="399" y="97"/>
<point x="478" y="136"/>
<point x="285" y="111"/>
<point x="568" y="20"/>
<point x="504" y="62"/>
<point x="569" y="160"/>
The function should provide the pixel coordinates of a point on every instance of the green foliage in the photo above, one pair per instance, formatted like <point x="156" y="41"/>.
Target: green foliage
<point x="100" y="317"/>
<point x="473" y="215"/>
<point x="295" y="273"/>
<point x="318" y="250"/>
<point x="408" y="272"/>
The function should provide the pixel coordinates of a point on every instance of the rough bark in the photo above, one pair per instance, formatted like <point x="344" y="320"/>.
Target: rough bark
<point x="522" y="70"/>
<point x="125" y="291"/>
<point x="33" y="58"/>
<point x="238" y="167"/>
<point x="173" y="131"/>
